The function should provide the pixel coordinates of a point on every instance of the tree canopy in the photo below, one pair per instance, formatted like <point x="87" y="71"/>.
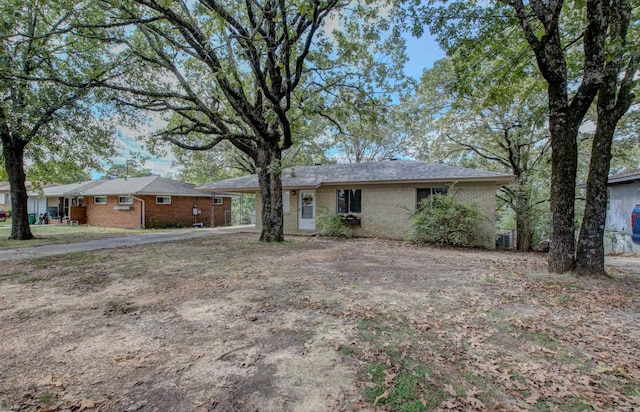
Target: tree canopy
<point x="48" y="71"/>
<point x="224" y="71"/>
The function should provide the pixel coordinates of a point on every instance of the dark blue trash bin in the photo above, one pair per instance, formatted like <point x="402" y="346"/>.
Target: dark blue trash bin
<point x="635" y="224"/>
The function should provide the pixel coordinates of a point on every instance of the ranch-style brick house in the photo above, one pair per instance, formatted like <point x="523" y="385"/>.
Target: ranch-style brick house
<point x="383" y="196"/>
<point x="138" y="202"/>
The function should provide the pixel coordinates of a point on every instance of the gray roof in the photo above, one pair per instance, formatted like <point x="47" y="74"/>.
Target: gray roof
<point x="147" y="185"/>
<point x="626" y="177"/>
<point x="385" y="172"/>
<point x="72" y="189"/>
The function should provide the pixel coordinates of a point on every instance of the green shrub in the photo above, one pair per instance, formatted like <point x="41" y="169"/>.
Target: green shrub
<point x="332" y="225"/>
<point x="443" y="220"/>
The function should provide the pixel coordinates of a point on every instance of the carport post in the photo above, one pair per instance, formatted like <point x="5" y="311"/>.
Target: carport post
<point x="143" y="210"/>
<point x="213" y="209"/>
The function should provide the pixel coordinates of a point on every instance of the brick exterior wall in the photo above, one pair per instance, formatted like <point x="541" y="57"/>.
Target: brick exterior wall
<point x="485" y="197"/>
<point x="387" y="209"/>
<point x="178" y="213"/>
<point x="106" y="216"/>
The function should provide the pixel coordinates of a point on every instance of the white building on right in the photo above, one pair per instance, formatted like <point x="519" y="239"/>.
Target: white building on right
<point x="622" y="227"/>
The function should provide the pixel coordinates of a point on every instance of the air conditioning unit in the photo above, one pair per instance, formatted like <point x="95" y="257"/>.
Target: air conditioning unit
<point x="504" y="241"/>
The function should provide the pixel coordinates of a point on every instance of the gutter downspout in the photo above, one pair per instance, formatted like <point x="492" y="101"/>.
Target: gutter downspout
<point x="143" y="210"/>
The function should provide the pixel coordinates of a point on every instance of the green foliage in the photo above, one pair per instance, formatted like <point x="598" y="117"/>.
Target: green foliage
<point x="332" y="225"/>
<point x="47" y="68"/>
<point x="363" y="117"/>
<point x="398" y="378"/>
<point x="52" y="113"/>
<point x="123" y="170"/>
<point x="241" y="209"/>
<point x="444" y="220"/>
<point x="502" y="129"/>
<point x="203" y="166"/>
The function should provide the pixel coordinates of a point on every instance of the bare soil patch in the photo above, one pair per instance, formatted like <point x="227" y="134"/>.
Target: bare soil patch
<point x="231" y="324"/>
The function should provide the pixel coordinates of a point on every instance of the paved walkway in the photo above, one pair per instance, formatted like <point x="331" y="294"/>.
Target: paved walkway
<point x="30" y="252"/>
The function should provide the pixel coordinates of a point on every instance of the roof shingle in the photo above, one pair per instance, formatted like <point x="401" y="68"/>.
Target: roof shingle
<point x="397" y="171"/>
<point x="147" y="185"/>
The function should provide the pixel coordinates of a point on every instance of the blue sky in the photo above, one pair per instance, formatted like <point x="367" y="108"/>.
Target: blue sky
<point x="422" y="53"/>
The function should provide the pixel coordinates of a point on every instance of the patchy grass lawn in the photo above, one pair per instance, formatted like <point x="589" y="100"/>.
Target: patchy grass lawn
<point x="58" y="234"/>
<point x="227" y="323"/>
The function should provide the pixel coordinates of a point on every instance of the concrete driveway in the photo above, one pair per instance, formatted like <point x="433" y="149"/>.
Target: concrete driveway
<point x="31" y="252"/>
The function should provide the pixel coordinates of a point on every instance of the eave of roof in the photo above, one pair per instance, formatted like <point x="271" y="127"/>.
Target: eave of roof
<point x="626" y="177"/>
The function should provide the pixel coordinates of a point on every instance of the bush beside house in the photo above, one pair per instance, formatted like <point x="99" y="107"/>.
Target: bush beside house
<point x="444" y="220"/>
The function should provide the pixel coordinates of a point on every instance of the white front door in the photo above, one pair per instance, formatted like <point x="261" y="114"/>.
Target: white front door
<point x="307" y="210"/>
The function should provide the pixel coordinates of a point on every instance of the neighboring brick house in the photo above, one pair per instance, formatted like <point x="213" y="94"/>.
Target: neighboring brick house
<point x="150" y="201"/>
<point x="383" y="195"/>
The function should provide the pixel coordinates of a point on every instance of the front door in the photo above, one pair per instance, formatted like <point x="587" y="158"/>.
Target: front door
<point x="307" y="210"/>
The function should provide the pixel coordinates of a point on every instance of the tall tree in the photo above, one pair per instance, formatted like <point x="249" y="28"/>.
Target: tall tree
<point x="367" y="130"/>
<point x="46" y="73"/>
<point x="364" y="117"/>
<point x="230" y="71"/>
<point x="615" y="96"/>
<point x="572" y="43"/>
<point x="494" y="128"/>
<point x="225" y="161"/>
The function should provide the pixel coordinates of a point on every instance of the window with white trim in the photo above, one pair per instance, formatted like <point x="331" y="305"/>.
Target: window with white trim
<point x="218" y="200"/>
<point x="125" y="200"/>
<point x="99" y="200"/>
<point x="163" y="200"/>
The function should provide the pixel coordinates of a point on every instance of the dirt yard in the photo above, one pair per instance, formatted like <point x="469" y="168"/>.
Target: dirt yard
<point x="225" y="323"/>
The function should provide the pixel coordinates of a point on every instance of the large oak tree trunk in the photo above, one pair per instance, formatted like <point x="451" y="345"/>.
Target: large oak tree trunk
<point x="564" y="116"/>
<point x="14" y="165"/>
<point x="524" y="234"/>
<point x="613" y="102"/>
<point x="268" y="161"/>
<point x="590" y="253"/>
<point x="564" y="164"/>
<point x="522" y="202"/>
